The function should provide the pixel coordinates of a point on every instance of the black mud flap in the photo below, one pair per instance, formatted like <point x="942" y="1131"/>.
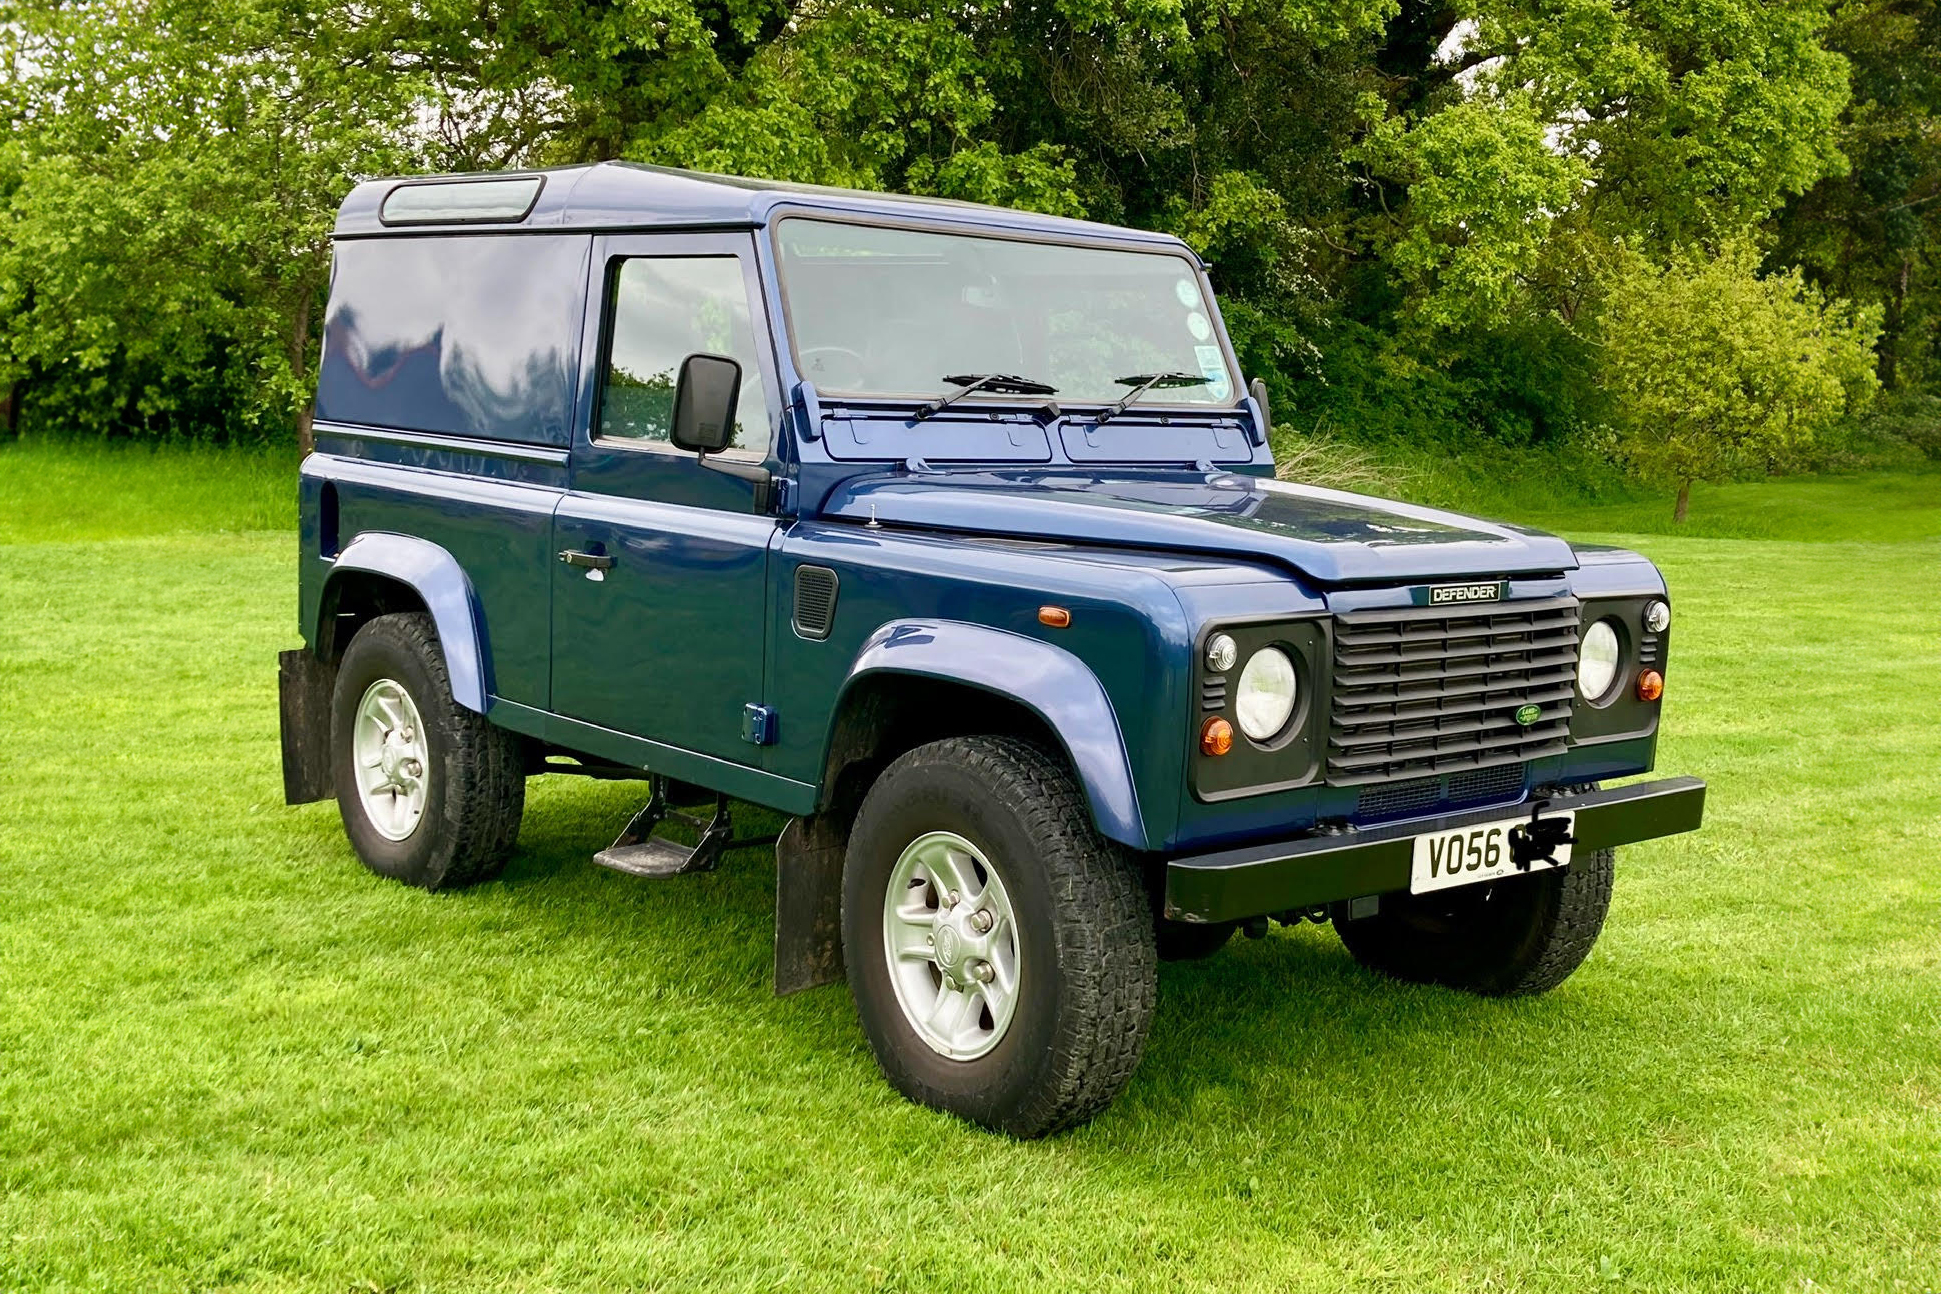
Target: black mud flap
<point x="808" y="906"/>
<point x="304" y="685"/>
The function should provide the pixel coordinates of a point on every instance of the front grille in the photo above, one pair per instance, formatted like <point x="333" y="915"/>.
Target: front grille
<point x="1478" y="786"/>
<point x="1423" y="691"/>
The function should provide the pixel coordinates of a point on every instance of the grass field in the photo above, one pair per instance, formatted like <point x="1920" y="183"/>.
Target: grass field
<point x="231" y="1059"/>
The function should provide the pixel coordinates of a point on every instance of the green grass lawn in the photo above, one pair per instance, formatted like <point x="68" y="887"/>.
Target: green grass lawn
<point x="231" y="1058"/>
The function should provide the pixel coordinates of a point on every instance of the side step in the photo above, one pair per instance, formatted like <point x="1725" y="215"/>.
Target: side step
<point x="653" y="858"/>
<point x="638" y="852"/>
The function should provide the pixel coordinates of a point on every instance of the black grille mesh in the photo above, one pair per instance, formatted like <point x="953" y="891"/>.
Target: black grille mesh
<point x="815" y="601"/>
<point x="1429" y="794"/>
<point x="1423" y="691"/>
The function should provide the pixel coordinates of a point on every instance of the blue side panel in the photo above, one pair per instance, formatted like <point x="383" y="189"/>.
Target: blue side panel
<point x="447" y="594"/>
<point x="498" y="532"/>
<point x="471" y="336"/>
<point x="1055" y="684"/>
<point x="1127" y="633"/>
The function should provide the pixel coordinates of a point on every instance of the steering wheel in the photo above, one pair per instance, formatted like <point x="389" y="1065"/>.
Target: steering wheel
<point x="835" y="368"/>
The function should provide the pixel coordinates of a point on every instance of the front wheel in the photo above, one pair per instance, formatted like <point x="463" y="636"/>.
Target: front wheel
<point x="999" y="950"/>
<point x="1509" y="938"/>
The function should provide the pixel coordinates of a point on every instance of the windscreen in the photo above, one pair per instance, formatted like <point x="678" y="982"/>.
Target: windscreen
<point x="896" y="312"/>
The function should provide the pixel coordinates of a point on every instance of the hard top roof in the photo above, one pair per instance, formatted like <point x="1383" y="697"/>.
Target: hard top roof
<point x="629" y="195"/>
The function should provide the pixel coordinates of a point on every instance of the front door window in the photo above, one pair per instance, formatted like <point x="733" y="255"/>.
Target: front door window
<point x="666" y="308"/>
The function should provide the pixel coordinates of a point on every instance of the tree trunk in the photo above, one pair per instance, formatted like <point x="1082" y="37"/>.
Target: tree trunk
<point x="1684" y="503"/>
<point x="10" y="411"/>
<point x="1895" y="320"/>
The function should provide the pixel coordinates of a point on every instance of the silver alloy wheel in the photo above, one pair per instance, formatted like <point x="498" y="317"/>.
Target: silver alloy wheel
<point x="393" y="761"/>
<point x="951" y="940"/>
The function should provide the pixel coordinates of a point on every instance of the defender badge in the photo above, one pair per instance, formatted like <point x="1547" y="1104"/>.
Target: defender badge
<point x="1528" y="714"/>
<point x="1437" y="595"/>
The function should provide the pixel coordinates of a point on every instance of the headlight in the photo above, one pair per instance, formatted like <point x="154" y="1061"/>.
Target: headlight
<point x="1265" y="698"/>
<point x="1597" y="661"/>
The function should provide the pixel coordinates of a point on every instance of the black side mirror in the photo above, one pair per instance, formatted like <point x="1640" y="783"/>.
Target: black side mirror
<point x="705" y="393"/>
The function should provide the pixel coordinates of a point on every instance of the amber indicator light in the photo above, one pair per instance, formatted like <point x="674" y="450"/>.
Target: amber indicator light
<point x="1056" y="617"/>
<point x="1216" y="736"/>
<point x="1651" y="685"/>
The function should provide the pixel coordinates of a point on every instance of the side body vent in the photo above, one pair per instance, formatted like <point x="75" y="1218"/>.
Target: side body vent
<point x="815" y="601"/>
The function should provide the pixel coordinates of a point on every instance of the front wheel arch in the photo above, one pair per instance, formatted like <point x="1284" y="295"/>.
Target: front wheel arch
<point x="987" y="682"/>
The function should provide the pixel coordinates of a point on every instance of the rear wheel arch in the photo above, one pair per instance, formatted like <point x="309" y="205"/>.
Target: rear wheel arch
<point x="380" y="573"/>
<point x="354" y="598"/>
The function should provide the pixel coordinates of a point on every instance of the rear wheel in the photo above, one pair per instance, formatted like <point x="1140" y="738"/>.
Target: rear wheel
<point x="1000" y="951"/>
<point x="1507" y="938"/>
<point x="431" y="793"/>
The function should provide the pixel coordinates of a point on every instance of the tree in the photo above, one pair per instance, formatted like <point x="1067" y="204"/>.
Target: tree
<point x="169" y="192"/>
<point x="1873" y="233"/>
<point x="1716" y="369"/>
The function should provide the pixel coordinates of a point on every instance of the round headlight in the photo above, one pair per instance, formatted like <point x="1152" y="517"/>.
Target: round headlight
<point x="1657" y="616"/>
<point x="1597" y="661"/>
<point x="1265" y="698"/>
<point x="1221" y="653"/>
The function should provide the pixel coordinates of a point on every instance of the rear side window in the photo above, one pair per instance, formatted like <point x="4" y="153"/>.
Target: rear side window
<point x="466" y="336"/>
<point x="666" y="308"/>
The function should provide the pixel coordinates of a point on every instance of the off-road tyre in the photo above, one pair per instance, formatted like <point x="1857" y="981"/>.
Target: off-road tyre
<point x="1510" y="938"/>
<point x="476" y="791"/>
<point x="1189" y="941"/>
<point x="1088" y="972"/>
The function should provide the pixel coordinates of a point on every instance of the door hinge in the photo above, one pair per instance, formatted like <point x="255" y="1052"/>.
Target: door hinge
<point x="758" y="724"/>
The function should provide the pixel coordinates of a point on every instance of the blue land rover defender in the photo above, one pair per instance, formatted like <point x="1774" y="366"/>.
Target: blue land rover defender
<point x="952" y="534"/>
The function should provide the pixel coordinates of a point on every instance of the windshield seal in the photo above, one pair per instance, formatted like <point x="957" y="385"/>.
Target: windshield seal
<point x="1132" y="246"/>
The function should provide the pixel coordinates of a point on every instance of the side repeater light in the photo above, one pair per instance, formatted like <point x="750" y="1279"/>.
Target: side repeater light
<point x="1216" y="736"/>
<point x="1056" y="617"/>
<point x="1651" y="685"/>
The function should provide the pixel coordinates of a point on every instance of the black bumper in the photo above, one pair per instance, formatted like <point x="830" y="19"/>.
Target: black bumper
<point x="1257" y="879"/>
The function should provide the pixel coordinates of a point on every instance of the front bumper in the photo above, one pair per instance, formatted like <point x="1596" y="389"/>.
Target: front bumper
<point x="1255" y="880"/>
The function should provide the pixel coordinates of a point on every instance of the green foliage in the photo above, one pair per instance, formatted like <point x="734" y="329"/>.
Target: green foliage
<point x="1412" y="211"/>
<point x="1483" y="186"/>
<point x="168" y="196"/>
<point x="1873" y="233"/>
<point x="1716" y="369"/>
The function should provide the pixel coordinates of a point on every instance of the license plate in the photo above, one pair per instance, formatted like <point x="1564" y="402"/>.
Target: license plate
<point x="1471" y="854"/>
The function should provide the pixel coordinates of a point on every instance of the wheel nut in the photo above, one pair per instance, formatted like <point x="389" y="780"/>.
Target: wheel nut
<point x="983" y="972"/>
<point x="981" y="921"/>
<point x="408" y="735"/>
<point x="950" y="900"/>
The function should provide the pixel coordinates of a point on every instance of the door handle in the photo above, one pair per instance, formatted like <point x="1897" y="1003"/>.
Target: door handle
<point x="589" y="561"/>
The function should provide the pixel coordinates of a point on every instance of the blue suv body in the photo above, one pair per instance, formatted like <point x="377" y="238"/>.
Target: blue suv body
<point x="952" y="533"/>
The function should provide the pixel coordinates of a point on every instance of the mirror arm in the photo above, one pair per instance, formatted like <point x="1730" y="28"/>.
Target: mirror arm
<point x="760" y="477"/>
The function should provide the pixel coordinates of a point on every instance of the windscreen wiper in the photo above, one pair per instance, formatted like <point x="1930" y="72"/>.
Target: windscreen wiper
<point x="996" y="383"/>
<point x="1144" y="382"/>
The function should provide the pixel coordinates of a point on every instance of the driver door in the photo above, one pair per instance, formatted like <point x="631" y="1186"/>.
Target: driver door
<point x="659" y="630"/>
